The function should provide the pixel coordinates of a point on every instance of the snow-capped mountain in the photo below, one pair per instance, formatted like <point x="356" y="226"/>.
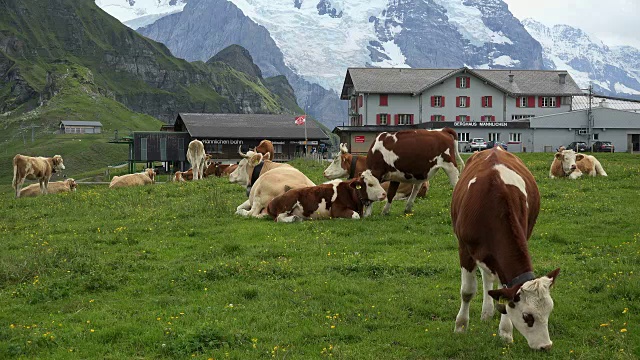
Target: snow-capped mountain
<point x="611" y="70"/>
<point x="137" y="13"/>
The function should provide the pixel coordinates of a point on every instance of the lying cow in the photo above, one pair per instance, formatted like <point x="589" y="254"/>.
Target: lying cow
<point x="351" y="166"/>
<point x="335" y="199"/>
<point x="55" y="187"/>
<point x="496" y="242"/>
<point x="413" y="156"/>
<point x="569" y="164"/>
<point x="182" y="176"/>
<point x="35" y="168"/>
<point x="265" y="147"/>
<point x="251" y="167"/>
<point x="138" y="179"/>
<point x="219" y="169"/>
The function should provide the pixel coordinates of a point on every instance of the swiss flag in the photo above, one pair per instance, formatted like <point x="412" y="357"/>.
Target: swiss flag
<point x="300" y="120"/>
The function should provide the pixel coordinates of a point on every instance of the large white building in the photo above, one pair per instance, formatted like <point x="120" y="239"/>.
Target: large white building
<point x="496" y="105"/>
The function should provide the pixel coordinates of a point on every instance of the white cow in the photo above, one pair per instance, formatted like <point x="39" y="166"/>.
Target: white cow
<point x="197" y="158"/>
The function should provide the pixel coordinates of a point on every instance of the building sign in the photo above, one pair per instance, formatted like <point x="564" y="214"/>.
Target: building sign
<point x="223" y="141"/>
<point x="359" y="138"/>
<point x="277" y="142"/>
<point x="301" y="142"/>
<point x="480" y="124"/>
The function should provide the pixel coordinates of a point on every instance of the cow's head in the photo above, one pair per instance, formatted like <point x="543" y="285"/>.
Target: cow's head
<point x="339" y="167"/>
<point x="528" y="308"/>
<point x="242" y="174"/>
<point x="71" y="183"/>
<point x="568" y="159"/>
<point x="368" y="187"/>
<point x="151" y="174"/>
<point x="58" y="163"/>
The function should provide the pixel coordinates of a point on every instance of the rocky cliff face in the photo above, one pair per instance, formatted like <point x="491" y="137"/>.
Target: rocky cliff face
<point x="205" y="27"/>
<point x="138" y="72"/>
<point x="611" y="70"/>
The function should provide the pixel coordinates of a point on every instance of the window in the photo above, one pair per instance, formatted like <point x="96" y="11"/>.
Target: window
<point x="382" y="119"/>
<point x="518" y="117"/>
<point x="463" y="101"/>
<point x="487" y="101"/>
<point x="462" y="118"/>
<point x="494" y="136"/>
<point x="523" y="102"/>
<point x="463" y="137"/>
<point x="437" y="101"/>
<point x="437" y="117"/>
<point x="463" y="82"/>
<point x="596" y="136"/>
<point x="277" y="148"/>
<point x="216" y="148"/>
<point x="488" y="118"/>
<point x="547" y="101"/>
<point x="515" y="137"/>
<point x="404" y="119"/>
<point x="384" y="100"/>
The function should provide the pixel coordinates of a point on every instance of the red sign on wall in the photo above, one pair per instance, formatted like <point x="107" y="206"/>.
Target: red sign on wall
<point x="359" y="138"/>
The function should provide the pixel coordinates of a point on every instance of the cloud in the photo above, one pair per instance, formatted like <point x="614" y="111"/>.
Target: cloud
<point x="615" y="22"/>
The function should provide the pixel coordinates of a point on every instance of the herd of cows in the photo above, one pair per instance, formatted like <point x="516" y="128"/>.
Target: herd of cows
<point x="493" y="241"/>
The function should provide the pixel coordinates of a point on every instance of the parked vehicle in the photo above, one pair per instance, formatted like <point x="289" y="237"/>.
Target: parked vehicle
<point x="478" y="144"/>
<point x="492" y="144"/>
<point x="603" y="146"/>
<point x="578" y="146"/>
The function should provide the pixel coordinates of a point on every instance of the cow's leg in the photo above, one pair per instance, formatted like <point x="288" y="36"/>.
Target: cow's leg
<point x="44" y="183"/>
<point x="414" y="193"/>
<point x="391" y="193"/>
<point x="468" y="289"/>
<point x="18" y="186"/>
<point x="243" y="209"/>
<point x="506" y="328"/>
<point x="488" y="279"/>
<point x="367" y="210"/>
<point x="287" y="218"/>
<point x="452" y="172"/>
<point x="342" y="212"/>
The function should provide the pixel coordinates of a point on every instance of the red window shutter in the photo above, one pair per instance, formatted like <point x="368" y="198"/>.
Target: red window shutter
<point x="558" y="101"/>
<point x="518" y="101"/>
<point x="531" y="102"/>
<point x="493" y="118"/>
<point x="388" y="119"/>
<point x="468" y="82"/>
<point x="384" y="100"/>
<point x="539" y="101"/>
<point x="433" y="101"/>
<point x="457" y="101"/>
<point x="360" y="120"/>
<point x="411" y="119"/>
<point x="490" y="100"/>
<point x="458" y="118"/>
<point x="397" y="119"/>
<point x="442" y="118"/>
<point x="360" y="99"/>
<point x="378" y="119"/>
<point x="458" y="82"/>
<point x="442" y="101"/>
<point x="468" y="101"/>
<point x="433" y="118"/>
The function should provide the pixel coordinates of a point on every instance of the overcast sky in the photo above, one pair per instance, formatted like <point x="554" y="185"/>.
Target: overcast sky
<point x="615" y="22"/>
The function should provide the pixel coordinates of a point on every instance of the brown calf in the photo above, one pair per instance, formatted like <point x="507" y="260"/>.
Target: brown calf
<point x="265" y="147"/>
<point x="35" y="168"/>
<point x="496" y="242"/>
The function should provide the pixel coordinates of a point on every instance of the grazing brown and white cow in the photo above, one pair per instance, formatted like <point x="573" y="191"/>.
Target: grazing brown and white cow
<point x="496" y="242"/>
<point x="413" y="156"/>
<point x="148" y="176"/>
<point x="197" y="158"/>
<point x="270" y="184"/>
<point x="35" y="168"/>
<point x="351" y="166"/>
<point x="335" y="199"/>
<point x="569" y="164"/>
<point x="266" y="147"/>
<point x="55" y="187"/>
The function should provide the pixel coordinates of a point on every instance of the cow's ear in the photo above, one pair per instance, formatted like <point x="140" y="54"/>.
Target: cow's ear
<point x="267" y="156"/>
<point x="558" y="155"/>
<point x="553" y="275"/>
<point x="510" y="294"/>
<point x="255" y="159"/>
<point x="579" y="157"/>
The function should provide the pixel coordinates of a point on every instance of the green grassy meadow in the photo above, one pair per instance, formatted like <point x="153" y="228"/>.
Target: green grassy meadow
<point x="169" y="272"/>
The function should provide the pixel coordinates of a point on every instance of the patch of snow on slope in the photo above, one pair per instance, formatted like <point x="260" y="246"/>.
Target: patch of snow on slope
<point x="505" y="60"/>
<point x="468" y="20"/>
<point x="624" y="89"/>
<point x="124" y="11"/>
<point x="320" y="47"/>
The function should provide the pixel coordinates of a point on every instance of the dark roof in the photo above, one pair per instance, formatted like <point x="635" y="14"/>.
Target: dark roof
<point x="252" y="126"/>
<point x="416" y="81"/>
<point x="80" y="123"/>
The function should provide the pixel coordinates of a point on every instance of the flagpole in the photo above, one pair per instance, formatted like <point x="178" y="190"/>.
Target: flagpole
<point x="306" y="149"/>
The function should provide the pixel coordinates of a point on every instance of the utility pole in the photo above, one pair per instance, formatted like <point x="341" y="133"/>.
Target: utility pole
<point x="590" y="117"/>
<point x="33" y="132"/>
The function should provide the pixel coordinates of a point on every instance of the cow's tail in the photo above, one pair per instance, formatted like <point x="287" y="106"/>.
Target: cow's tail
<point x="599" y="168"/>
<point x="454" y="135"/>
<point x="14" y="183"/>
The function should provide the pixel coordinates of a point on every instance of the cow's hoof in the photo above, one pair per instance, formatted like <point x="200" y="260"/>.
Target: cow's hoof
<point x="408" y="211"/>
<point x="461" y="325"/>
<point x="242" y="212"/>
<point x="508" y="338"/>
<point x="487" y="315"/>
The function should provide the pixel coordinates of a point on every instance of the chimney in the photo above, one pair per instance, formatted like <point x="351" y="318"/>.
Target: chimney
<point x="562" y="78"/>
<point x="510" y="77"/>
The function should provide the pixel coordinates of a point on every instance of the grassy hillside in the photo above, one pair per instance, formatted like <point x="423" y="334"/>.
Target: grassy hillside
<point x="167" y="271"/>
